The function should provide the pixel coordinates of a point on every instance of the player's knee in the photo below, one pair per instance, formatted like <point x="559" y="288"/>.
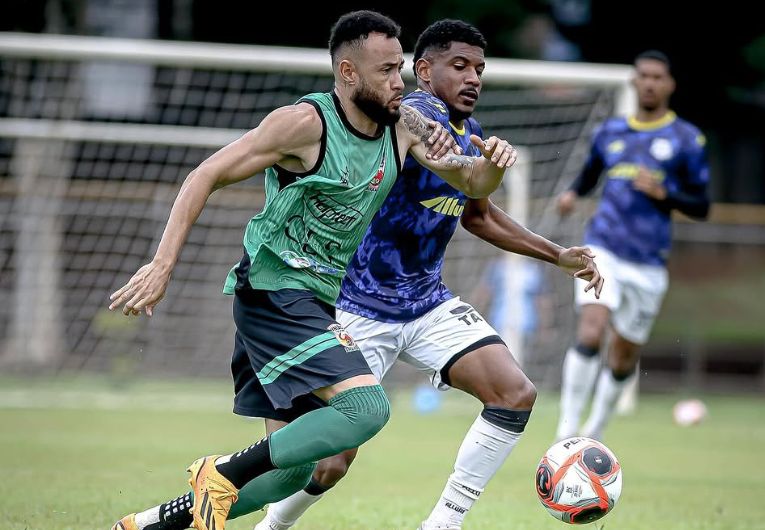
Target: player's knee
<point x="507" y="419"/>
<point x="592" y="329"/>
<point x="589" y="338"/>
<point x="520" y="395"/>
<point x="367" y="410"/>
<point x="622" y="368"/>
<point x="623" y="356"/>
<point x="331" y="470"/>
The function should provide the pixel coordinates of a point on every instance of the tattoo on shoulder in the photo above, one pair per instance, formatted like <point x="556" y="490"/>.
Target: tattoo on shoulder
<point x="415" y="122"/>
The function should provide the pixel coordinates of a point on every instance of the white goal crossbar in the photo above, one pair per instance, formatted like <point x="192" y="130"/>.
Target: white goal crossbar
<point x="500" y="72"/>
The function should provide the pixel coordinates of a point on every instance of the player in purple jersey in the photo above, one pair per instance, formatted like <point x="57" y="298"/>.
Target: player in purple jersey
<point x="395" y="305"/>
<point x="654" y="162"/>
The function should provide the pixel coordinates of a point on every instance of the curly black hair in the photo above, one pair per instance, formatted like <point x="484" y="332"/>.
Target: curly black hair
<point x="441" y="34"/>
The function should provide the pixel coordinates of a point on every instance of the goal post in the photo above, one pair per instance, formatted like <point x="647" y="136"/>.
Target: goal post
<point x="96" y="135"/>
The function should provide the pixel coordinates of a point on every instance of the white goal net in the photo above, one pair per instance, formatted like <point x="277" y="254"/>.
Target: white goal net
<point x="96" y="136"/>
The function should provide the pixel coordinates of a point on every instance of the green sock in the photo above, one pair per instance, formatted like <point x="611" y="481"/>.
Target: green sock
<point x="271" y="487"/>
<point x="267" y="488"/>
<point x="352" y="417"/>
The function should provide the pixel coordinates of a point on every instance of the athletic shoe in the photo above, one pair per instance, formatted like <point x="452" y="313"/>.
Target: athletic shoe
<point x="213" y="495"/>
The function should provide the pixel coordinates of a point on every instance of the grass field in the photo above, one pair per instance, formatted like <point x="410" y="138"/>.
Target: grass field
<point x="79" y="454"/>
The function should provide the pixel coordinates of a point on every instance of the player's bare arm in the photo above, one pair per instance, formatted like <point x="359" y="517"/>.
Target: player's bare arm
<point x="289" y="136"/>
<point x="484" y="219"/>
<point x="474" y="176"/>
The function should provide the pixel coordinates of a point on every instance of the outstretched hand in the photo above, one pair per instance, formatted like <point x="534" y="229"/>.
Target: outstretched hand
<point x="500" y="152"/>
<point x="144" y="290"/>
<point x="440" y="141"/>
<point x="579" y="263"/>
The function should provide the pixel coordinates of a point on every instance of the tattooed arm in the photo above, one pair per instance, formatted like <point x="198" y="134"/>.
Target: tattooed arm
<point x="474" y="176"/>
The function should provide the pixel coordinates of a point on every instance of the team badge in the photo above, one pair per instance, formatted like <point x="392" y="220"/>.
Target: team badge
<point x="374" y="184"/>
<point x="343" y="337"/>
<point x="661" y="149"/>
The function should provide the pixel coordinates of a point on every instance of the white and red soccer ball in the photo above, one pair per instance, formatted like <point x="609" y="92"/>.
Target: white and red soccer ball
<point x="579" y="480"/>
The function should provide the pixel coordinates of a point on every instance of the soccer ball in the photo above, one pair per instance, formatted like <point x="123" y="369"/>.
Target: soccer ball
<point x="579" y="480"/>
<point x="689" y="412"/>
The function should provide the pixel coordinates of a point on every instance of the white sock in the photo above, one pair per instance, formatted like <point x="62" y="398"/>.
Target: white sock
<point x="482" y="453"/>
<point x="147" y="517"/>
<point x="286" y="512"/>
<point x="579" y="374"/>
<point x="604" y="403"/>
<point x="169" y="514"/>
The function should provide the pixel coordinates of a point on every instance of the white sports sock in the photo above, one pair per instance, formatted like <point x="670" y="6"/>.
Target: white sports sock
<point x="286" y="512"/>
<point x="579" y="374"/>
<point x="482" y="453"/>
<point x="604" y="403"/>
<point x="147" y="517"/>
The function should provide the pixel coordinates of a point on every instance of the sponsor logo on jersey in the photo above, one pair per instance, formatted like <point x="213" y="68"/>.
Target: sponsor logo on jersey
<point x="374" y="184"/>
<point x="439" y="107"/>
<point x="343" y="337"/>
<point x="626" y="171"/>
<point x="332" y="213"/>
<point x="445" y="205"/>
<point x="295" y="261"/>
<point x="661" y="149"/>
<point x="617" y="146"/>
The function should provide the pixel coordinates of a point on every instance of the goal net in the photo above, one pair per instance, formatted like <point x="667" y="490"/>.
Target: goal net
<point x="96" y="136"/>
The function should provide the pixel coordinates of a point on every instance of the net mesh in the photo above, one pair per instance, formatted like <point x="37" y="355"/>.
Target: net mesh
<point x="83" y="207"/>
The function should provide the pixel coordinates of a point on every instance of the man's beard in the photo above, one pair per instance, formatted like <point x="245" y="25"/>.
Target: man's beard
<point x="456" y="116"/>
<point x="367" y="102"/>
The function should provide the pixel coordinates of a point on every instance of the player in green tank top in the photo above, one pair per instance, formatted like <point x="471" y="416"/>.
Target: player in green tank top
<point x="330" y="160"/>
<point x="324" y="216"/>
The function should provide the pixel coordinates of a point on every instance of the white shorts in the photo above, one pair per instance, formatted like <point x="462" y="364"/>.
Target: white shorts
<point x="632" y="291"/>
<point x="430" y="343"/>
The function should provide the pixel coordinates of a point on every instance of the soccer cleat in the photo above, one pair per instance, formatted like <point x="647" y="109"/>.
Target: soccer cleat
<point x="213" y="495"/>
<point x="126" y="523"/>
<point x="438" y="527"/>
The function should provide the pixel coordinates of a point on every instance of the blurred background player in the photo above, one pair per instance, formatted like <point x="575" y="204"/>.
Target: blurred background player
<point x="654" y="163"/>
<point x="395" y="304"/>
<point x="330" y="161"/>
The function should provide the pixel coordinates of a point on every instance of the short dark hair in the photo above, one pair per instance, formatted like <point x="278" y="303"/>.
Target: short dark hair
<point x="354" y="27"/>
<point x="441" y="34"/>
<point x="655" y="55"/>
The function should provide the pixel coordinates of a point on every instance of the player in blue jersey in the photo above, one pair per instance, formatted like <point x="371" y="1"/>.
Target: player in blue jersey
<point x="654" y="162"/>
<point x="396" y="306"/>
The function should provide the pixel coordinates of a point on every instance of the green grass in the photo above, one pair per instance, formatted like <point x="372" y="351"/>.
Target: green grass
<point x="77" y="455"/>
<point x="724" y="308"/>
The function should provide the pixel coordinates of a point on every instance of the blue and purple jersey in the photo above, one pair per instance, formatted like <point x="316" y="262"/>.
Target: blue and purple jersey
<point x="395" y="275"/>
<point x="627" y="222"/>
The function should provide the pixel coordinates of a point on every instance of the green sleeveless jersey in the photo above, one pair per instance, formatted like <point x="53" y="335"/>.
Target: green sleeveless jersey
<point x="313" y="222"/>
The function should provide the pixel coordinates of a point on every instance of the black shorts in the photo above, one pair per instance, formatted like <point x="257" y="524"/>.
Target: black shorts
<point x="288" y="344"/>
